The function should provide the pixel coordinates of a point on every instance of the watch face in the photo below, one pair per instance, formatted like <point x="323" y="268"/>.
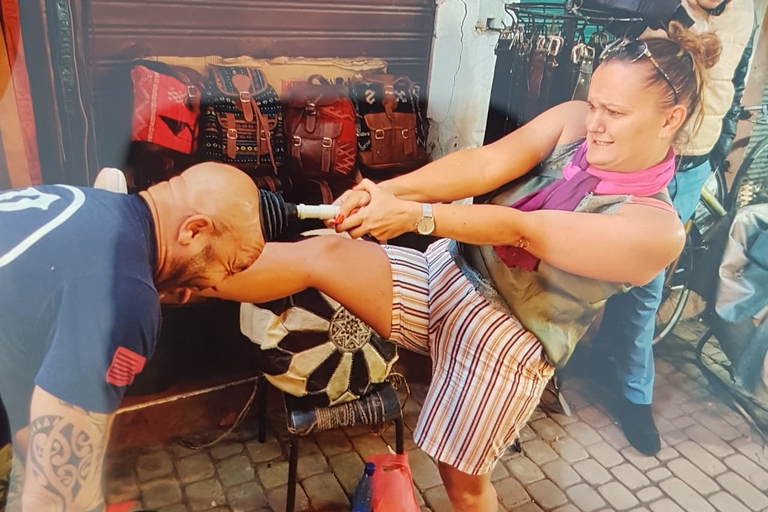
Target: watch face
<point x="426" y="226"/>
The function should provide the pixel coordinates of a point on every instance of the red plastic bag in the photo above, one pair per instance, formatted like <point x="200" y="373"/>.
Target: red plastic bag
<point x="393" y="484"/>
<point x="122" y="507"/>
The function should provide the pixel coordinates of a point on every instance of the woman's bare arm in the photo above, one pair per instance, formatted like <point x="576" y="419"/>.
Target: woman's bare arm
<point x="630" y="246"/>
<point x="473" y="172"/>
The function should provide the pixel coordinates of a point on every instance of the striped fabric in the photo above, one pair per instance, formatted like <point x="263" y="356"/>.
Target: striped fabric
<point x="488" y="372"/>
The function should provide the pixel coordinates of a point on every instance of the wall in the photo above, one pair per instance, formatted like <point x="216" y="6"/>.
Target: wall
<point x="462" y="72"/>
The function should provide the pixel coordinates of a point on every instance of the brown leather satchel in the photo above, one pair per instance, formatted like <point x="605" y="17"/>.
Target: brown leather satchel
<point x="321" y="139"/>
<point x="390" y="127"/>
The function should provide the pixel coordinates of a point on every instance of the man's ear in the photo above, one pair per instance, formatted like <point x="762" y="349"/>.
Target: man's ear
<point x="194" y="227"/>
<point x="675" y="119"/>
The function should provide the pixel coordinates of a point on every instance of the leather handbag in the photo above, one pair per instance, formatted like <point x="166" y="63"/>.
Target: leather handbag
<point x="166" y="103"/>
<point x="321" y="139"/>
<point x="241" y="121"/>
<point x="391" y="137"/>
<point x="164" y="123"/>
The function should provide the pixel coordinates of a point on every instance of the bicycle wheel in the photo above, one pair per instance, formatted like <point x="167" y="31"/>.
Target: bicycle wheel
<point x="675" y="294"/>
<point x="750" y="185"/>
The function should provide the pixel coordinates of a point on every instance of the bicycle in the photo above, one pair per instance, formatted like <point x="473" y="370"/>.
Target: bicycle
<point x="749" y="186"/>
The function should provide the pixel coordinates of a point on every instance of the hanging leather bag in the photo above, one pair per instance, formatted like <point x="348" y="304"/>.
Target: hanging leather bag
<point x="321" y="139"/>
<point x="164" y="123"/>
<point x="242" y="121"/>
<point x="390" y="128"/>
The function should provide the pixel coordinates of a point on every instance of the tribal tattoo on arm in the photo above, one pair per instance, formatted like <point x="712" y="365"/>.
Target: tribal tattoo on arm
<point x="65" y="459"/>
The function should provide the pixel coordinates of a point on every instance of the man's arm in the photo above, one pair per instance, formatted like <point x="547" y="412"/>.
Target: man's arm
<point x="65" y="457"/>
<point x="105" y="330"/>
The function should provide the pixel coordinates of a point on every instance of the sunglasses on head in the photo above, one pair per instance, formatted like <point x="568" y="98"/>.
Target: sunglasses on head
<point x="634" y="49"/>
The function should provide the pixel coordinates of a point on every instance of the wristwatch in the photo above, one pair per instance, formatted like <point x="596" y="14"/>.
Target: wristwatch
<point x="426" y="224"/>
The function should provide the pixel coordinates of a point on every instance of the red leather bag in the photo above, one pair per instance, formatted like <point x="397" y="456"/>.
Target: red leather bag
<point x="321" y="139"/>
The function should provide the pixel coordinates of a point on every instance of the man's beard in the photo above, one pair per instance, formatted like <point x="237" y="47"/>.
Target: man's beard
<point x="185" y="274"/>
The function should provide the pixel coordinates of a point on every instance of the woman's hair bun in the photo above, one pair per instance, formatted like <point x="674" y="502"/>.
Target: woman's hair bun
<point x="704" y="48"/>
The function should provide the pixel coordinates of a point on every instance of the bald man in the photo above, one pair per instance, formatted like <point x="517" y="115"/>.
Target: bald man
<point x="81" y="272"/>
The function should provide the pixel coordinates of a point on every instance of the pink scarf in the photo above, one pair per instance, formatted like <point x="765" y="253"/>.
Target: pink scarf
<point x="580" y="179"/>
<point x="643" y="183"/>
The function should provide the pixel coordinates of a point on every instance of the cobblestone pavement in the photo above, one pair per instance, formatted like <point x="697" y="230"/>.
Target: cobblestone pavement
<point x="711" y="459"/>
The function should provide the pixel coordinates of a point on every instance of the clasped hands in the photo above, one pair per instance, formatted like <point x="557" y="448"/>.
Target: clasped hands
<point x="369" y="209"/>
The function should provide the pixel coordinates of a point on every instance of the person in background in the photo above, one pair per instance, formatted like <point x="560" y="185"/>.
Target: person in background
<point x="83" y="271"/>
<point x="505" y="295"/>
<point x="625" y="339"/>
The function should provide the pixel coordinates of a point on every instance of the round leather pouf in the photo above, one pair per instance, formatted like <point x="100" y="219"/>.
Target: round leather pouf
<point x="313" y="347"/>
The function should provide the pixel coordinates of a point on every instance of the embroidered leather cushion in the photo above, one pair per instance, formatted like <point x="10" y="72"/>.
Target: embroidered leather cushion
<point x="311" y="346"/>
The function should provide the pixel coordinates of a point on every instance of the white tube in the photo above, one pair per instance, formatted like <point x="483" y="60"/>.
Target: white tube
<point x="320" y="211"/>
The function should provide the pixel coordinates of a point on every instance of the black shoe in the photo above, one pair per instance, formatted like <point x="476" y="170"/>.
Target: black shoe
<point x="636" y="421"/>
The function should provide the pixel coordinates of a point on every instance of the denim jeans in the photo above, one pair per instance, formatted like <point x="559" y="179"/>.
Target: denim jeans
<point x="629" y="319"/>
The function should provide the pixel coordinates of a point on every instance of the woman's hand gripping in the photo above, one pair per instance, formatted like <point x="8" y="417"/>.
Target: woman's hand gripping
<point x="369" y="209"/>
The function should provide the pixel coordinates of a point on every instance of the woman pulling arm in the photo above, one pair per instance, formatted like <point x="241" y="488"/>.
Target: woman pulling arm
<point x="504" y="302"/>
